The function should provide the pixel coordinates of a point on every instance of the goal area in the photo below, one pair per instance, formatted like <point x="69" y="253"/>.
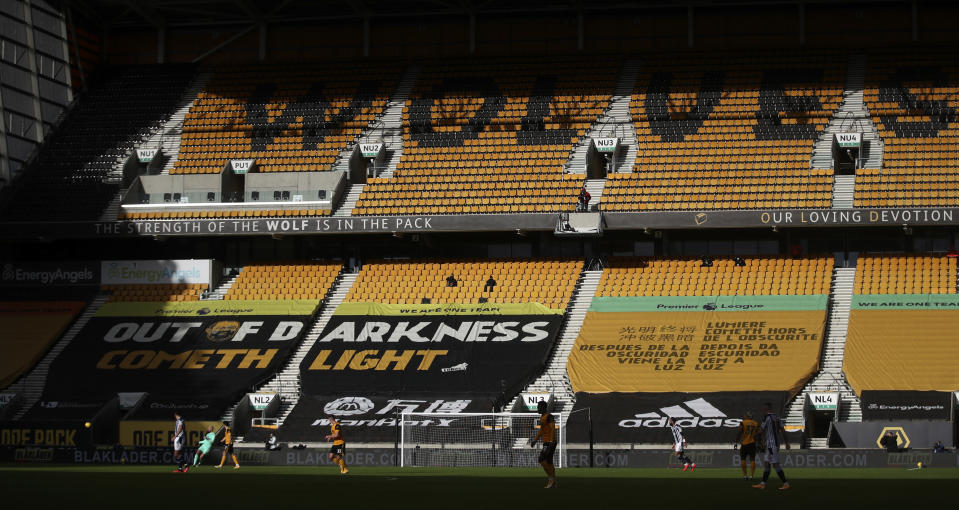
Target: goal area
<point x="475" y="440"/>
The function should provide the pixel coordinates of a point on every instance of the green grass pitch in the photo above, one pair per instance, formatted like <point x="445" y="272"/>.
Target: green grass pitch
<point x="142" y="487"/>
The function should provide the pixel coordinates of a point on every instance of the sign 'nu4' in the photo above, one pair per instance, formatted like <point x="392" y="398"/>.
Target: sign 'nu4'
<point x="847" y="140"/>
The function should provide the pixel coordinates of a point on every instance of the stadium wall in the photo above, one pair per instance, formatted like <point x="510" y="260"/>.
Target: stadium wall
<point x="386" y="457"/>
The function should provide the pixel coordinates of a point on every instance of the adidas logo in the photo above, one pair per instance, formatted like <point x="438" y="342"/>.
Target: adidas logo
<point x="689" y="414"/>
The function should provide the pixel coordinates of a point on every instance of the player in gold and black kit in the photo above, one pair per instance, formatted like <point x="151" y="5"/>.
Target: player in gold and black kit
<point x="746" y="438"/>
<point x="338" y="450"/>
<point x="228" y="447"/>
<point x="547" y="432"/>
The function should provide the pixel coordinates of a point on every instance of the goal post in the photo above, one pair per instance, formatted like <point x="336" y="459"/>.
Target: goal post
<point x="474" y="440"/>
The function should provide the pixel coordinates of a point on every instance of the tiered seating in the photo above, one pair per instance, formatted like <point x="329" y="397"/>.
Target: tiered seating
<point x="264" y="213"/>
<point x="73" y="177"/>
<point x="629" y="276"/>
<point x="905" y="274"/>
<point x="284" y="281"/>
<point x="493" y="137"/>
<point x="728" y="133"/>
<point x="158" y="293"/>
<point x="288" y="118"/>
<point x="914" y="99"/>
<point x="548" y="282"/>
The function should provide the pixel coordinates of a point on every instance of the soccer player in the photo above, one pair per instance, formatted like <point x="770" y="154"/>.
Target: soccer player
<point x="746" y="439"/>
<point x="547" y="432"/>
<point x="774" y="435"/>
<point x="679" y="446"/>
<point x="178" y="439"/>
<point x="338" y="450"/>
<point x="228" y="447"/>
<point x="204" y="446"/>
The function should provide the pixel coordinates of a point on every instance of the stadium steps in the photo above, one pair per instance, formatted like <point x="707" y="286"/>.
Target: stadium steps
<point x="392" y="121"/>
<point x="595" y="189"/>
<point x="852" y="116"/>
<point x="31" y="385"/>
<point x="220" y="291"/>
<point x="166" y="137"/>
<point x="554" y="379"/>
<point x="830" y="376"/>
<point x="286" y="383"/>
<point x="615" y="122"/>
<point x="843" y="189"/>
<point x="169" y="138"/>
<point x="349" y="201"/>
<point x="112" y="210"/>
<point x="388" y="128"/>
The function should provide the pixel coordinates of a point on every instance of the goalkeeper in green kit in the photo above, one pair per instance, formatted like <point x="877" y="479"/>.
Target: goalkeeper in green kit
<point x="204" y="446"/>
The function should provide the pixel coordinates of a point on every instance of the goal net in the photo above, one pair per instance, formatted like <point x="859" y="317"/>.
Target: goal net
<point x="475" y="440"/>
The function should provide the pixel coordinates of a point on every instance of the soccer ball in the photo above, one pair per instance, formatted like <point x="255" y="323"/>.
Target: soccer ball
<point x="87" y="424"/>
<point x="919" y="464"/>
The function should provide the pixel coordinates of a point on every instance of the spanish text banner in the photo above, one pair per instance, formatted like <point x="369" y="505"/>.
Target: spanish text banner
<point x="707" y="347"/>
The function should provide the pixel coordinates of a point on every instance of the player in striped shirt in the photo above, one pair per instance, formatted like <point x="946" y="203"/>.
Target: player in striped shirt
<point x="774" y="435"/>
<point x="179" y="439"/>
<point x="679" y="446"/>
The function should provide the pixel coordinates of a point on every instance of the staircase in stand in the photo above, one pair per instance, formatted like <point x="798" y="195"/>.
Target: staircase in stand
<point x="221" y="290"/>
<point x="393" y="120"/>
<point x="286" y="383"/>
<point x="554" y="379"/>
<point x="843" y="190"/>
<point x="169" y="138"/>
<point x="615" y="122"/>
<point x="166" y="137"/>
<point x="388" y="127"/>
<point x="595" y="189"/>
<point x="349" y="201"/>
<point x="31" y="385"/>
<point x="830" y="377"/>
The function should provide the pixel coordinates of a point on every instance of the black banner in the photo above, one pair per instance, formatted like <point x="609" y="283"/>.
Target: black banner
<point x="45" y="434"/>
<point x="642" y="417"/>
<point x="197" y="407"/>
<point x="906" y="405"/>
<point x="665" y="220"/>
<point x="487" y="354"/>
<point x="370" y="418"/>
<point x="179" y="353"/>
<point x="909" y="435"/>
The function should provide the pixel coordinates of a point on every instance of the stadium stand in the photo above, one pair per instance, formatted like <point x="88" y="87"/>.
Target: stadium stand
<point x="493" y="137"/>
<point x="238" y="213"/>
<point x="30" y="328"/>
<point x="773" y="275"/>
<point x="284" y="281"/>
<point x="905" y="274"/>
<point x="73" y="176"/>
<point x="913" y="98"/>
<point x="288" y="118"/>
<point x="904" y="338"/>
<point x="549" y="282"/>
<point x="729" y="133"/>
<point x="155" y="293"/>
